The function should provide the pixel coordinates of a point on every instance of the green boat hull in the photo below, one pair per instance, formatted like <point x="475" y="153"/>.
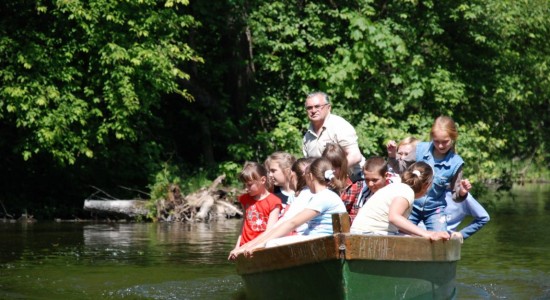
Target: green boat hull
<point x="351" y="266"/>
<point x="355" y="280"/>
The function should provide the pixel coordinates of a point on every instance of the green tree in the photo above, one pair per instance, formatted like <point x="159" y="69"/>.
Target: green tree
<point x="392" y="67"/>
<point x="83" y="90"/>
<point x="75" y="76"/>
<point x="94" y="91"/>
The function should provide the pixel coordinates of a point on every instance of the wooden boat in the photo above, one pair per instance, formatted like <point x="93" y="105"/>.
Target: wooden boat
<point x="352" y="266"/>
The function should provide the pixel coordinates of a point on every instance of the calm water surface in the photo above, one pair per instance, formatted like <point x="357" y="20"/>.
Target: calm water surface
<point x="508" y="259"/>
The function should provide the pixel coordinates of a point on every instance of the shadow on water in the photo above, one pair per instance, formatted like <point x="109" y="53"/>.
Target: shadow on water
<point x="507" y="259"/>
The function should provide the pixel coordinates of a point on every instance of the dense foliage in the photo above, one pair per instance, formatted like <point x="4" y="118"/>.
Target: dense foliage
<point x="96" y="92"/>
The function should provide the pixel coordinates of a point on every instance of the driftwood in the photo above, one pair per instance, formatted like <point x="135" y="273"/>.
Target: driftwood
<point x="205" y="204"/>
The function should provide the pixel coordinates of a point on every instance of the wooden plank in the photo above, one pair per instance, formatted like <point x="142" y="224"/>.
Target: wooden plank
<point x="341" y="223"/>
<point x="288" y="256"/>
<point x="400" y="248"/>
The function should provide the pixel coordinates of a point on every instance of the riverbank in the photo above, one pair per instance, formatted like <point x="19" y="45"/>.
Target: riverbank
<point x="510" y="174"/>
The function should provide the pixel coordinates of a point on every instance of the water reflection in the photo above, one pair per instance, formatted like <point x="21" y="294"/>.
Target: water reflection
<point x="205" y="243"/>
<point x="113" y="234"/>
<point x="118" y="260"/>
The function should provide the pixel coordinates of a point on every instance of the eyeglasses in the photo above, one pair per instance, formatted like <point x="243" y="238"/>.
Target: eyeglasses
<point x="316" y="107"/>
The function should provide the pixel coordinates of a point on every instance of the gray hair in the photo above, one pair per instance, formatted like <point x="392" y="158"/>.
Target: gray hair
<point x="327" y="100"/>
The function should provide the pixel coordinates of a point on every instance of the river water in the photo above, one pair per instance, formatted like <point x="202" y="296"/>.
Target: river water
<point x="508" y="259"/>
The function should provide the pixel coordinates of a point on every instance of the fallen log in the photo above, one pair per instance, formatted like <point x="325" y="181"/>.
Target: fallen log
<point x="227" y="209"/>
<point x="131" y="208"/>
<point x="207" y="202"/>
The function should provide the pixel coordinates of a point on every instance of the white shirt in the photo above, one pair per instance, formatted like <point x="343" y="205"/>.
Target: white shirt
<point x="373" y="217"/>
<point x="295" y="205"/>
<point x="335" y="130"/>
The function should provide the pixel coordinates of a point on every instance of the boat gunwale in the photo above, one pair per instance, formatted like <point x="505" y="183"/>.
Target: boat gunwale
<point x="347" y="246"/>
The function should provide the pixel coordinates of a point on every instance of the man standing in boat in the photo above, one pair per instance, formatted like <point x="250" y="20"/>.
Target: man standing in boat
<point x="326" y="128"/>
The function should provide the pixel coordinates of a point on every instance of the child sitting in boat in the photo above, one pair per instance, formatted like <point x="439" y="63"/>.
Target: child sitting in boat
<point x="350" y="191"/>
<point x="441" y="154"/>
<point x="261" y="207"/>
<point x="278" y="166"/>
<point x="317" y="214"/>
<point x="377" y="176"/>
<point x="386" y="211"/>
<point x="300" y="199"/>
<point x="296" y="202"/>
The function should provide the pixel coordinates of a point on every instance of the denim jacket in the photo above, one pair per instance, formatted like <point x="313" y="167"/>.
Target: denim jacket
<point x="444" y="171"/>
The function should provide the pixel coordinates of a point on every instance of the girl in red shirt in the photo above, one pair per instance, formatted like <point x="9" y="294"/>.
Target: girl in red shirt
<point x="261" y="208"/>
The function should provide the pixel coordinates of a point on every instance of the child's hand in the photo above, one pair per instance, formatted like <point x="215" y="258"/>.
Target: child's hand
<point x="465" y="187"/>
<point x="250" y="251"/>
<point x="457" y="235"/>
<point x="234" y="253"/>
<point x="439" y="235"/>
<point x="391" y="146"/>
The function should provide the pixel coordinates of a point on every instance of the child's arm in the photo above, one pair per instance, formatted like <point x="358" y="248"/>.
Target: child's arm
<point x="232" y="253"/>
<point x="465" y="187"/>
<point x="481" y="217"/>
<point x="237" y="245"/>
<point x="398" y="207"/>
<point x="238" y="242"/>
<point x="282" y="229"/>
<point x="459" y="192"/>
<point x="391" y="146"/>
<point x="273" y="217"/>
<point x="271" y="224"/>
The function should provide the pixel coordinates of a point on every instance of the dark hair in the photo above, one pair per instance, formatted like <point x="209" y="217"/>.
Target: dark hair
<point x="299" y="168"/>
<point x="337" y="157"/>
<point x="417" y="176"/>
<point x="376" y="164"/>
<point x="254" y="171"/>
<point x="318" y="168"/>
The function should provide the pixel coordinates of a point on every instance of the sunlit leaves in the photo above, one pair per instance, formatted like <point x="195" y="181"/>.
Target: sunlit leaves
<point x="89" y="71"/>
